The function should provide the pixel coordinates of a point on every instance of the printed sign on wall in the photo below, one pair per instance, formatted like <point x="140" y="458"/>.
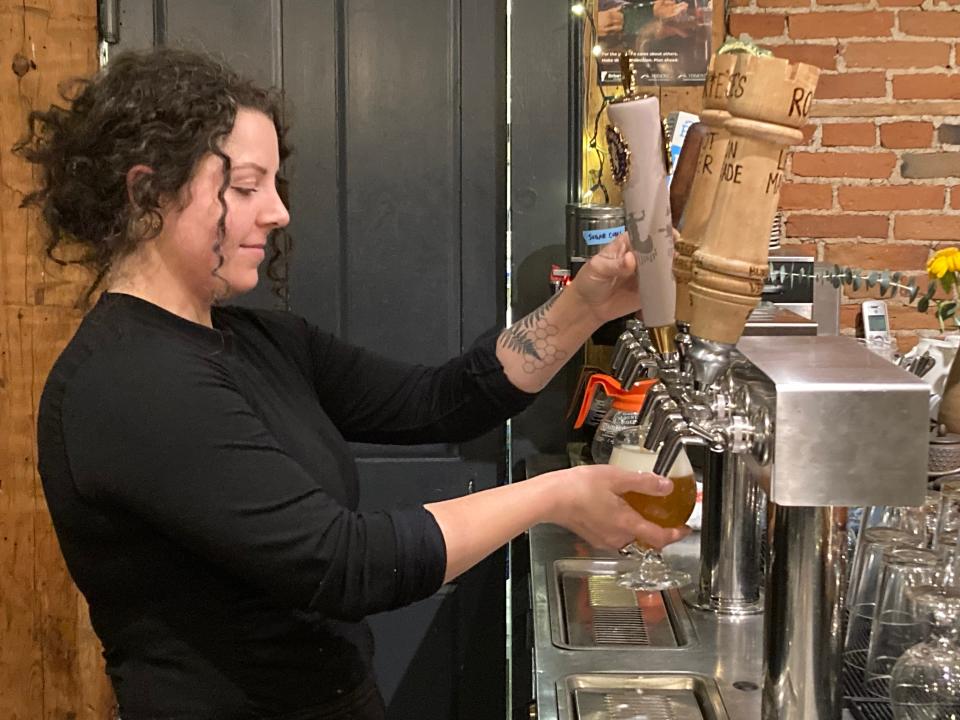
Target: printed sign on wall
<point x="668" y="42"/>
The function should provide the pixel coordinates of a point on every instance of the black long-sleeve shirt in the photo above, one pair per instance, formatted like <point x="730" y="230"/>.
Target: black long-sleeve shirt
<point x="204" y="496"/>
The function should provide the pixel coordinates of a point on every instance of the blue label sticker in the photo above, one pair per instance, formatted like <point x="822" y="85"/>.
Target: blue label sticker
<point x="602" y="237"/>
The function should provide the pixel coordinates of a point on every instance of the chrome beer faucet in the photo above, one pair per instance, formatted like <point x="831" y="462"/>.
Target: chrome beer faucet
<point x="736" y="434"/>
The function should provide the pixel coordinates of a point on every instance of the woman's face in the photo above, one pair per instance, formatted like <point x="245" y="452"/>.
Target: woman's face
<point x="254" y="209"/>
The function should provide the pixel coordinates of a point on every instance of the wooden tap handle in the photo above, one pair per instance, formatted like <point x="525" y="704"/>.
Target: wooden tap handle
<point x="685" y="170"/>
<point x="769" y="100"/>
<point x="709" y="161"/>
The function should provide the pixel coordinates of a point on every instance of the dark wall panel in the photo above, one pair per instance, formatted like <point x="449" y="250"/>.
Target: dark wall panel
<point x="313" y="81"/>
<point x="539" y="127"/>
<point x="403" y="169"/>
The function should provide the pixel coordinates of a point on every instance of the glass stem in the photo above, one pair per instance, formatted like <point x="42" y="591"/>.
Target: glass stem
<point x="644" y="553"/>
<point x="648" y="554"/>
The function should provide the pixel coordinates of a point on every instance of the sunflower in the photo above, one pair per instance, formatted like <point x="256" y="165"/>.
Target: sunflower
<point x="944" y="261"/>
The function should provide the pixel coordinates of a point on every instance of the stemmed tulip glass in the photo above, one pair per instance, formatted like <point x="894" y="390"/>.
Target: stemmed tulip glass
<point x="651" y="572"/>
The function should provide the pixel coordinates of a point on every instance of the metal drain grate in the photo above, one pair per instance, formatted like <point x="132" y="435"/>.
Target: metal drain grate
<point x="655" y="696"/>
<point x="617" y="617"/>
<point x="593" y="611"/>
<point x="606" y="592"/>
<point x="630" y="706"/>
<point x="619" y="626"/>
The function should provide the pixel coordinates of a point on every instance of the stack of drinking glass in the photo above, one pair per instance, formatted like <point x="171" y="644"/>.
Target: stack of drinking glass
<point x="903" y="601"/>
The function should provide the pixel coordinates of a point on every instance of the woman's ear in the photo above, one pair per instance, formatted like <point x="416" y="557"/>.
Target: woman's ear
<point x="134" y="176"/>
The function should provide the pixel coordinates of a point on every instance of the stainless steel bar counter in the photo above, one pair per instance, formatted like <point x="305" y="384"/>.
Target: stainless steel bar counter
<point x="717" y="661"/>
<point x="726" y="650"/>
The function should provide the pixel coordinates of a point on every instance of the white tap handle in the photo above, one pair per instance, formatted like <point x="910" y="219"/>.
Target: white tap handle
<point x="646" y="201"/>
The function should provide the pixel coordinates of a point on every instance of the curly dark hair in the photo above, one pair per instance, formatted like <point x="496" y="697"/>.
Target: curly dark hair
<point x="166" y="109"/>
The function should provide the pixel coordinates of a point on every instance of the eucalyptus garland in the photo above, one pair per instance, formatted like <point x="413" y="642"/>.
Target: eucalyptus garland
<point x="888" y="284"/>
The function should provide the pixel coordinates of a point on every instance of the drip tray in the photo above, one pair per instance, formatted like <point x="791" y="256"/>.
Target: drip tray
<point x="590" y="611"/>
<point x="653" y="696"/>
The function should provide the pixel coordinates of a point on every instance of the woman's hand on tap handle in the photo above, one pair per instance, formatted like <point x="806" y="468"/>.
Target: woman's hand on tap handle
<point x="607" y="284"/>
<point x="589" y="502"/>
<point x="536" y="346"/>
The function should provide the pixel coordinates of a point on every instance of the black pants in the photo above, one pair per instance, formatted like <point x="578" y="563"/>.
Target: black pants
<point x="364" y="703"/>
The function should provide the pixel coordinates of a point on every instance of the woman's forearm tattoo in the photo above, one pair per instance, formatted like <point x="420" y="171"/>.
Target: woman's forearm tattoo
<point x="533" y="339"/>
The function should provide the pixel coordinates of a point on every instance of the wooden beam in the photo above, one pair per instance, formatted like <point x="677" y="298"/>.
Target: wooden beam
<point x="50" y="665"/>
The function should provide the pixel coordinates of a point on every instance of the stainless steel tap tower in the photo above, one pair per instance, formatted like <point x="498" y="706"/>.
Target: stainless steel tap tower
<point x="800" y="420"/>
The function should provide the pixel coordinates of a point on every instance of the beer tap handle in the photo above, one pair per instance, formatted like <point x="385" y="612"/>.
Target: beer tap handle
<point x="636" y="143"/>
<point x="768" y="102"/>
<point x="685" y="169"/>
<point x="699" y="201"/>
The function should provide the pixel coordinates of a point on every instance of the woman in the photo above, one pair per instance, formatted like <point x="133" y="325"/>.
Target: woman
<point x="194" y="455"/>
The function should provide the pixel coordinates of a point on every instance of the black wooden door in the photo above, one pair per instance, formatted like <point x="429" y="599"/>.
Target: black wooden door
<point x="398" y="222"/>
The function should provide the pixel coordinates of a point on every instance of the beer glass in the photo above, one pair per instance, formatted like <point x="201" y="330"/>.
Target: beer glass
<point x="948" y="521"/>
<point x="896" y="624"/>
<point x="864" y="589"/>
<point x="669" y="511"/>
<point x="922" y="520"/>
<point x="925" y="681"/>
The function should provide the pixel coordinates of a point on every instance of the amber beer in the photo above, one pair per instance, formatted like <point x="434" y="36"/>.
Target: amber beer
<point x="668" y="511"/>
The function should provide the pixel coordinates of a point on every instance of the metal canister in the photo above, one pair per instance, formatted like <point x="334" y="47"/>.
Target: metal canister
<point x="590" y="227"/>
<point x="944" y="458"/>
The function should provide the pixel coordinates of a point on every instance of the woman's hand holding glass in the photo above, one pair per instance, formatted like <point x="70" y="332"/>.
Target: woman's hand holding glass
<point x="589" y="500"/>
<point x="670" y="511"/>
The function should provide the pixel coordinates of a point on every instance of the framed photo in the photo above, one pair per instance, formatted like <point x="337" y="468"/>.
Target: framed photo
<point x="668" y="41"/>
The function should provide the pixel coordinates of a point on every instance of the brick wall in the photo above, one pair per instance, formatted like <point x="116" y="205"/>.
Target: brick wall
<point x="876" y="184"/>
